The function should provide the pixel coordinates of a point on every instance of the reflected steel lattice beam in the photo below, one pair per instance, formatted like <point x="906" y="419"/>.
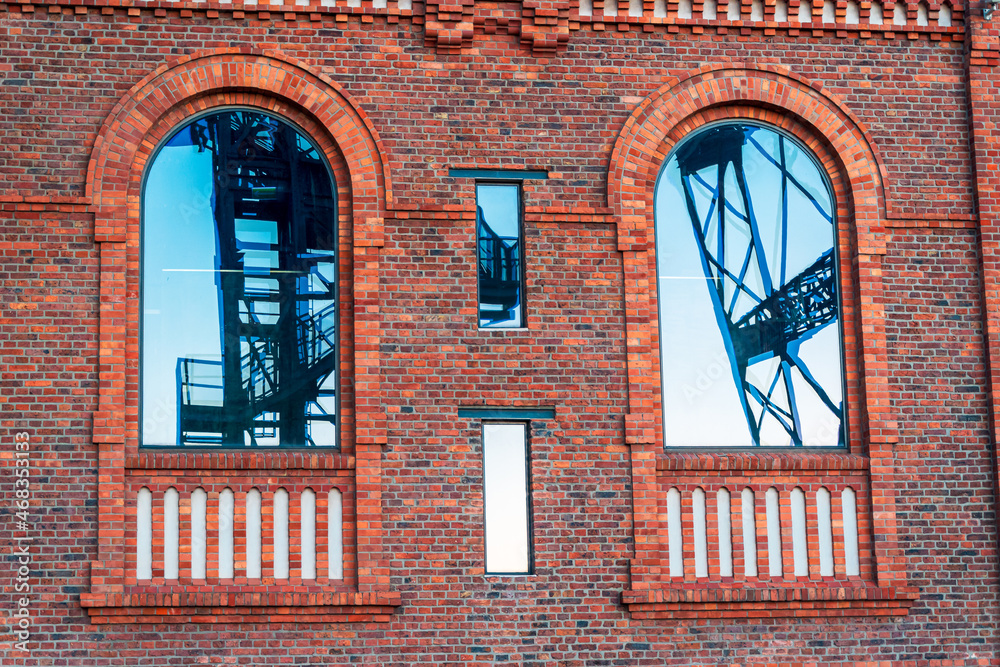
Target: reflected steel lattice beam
<point x="784" y="312"/>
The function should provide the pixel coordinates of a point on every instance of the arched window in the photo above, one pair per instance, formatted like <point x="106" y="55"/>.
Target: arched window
<point x="750" y="339"/>
<point x="239" y="287"/>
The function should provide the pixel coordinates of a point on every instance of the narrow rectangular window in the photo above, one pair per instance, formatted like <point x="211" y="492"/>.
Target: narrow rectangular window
<point x="500" y="251"/>
<point x="506" y="505"/>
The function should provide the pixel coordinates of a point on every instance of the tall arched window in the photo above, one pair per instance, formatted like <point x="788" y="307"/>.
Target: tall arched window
<point x="750" y="341"/>
<point x="239" y="287"/>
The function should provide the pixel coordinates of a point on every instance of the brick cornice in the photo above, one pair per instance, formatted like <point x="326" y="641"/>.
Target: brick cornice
<point x="544" y="26"/>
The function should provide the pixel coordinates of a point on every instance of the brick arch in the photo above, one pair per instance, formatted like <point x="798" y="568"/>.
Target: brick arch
<point x="275" y="80"/>
<point x="817" y="117"/>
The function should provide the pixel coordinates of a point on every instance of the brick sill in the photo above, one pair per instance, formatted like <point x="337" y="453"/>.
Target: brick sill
<point x="179" y="604"/>
<point x="805" y="461"/>
<point x="804" y="601"/>
<point x="239" y="460"/>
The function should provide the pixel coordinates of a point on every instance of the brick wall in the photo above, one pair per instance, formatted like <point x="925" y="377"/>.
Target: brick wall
<point x="497" y="104"/>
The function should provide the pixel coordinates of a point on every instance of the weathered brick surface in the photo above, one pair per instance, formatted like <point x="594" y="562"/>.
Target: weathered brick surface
<point x="945" y="505"/>
<point x="891" y="123"/>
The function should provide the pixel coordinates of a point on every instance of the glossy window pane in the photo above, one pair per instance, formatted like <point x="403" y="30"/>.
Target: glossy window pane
<point x="239" y="288"/>
<point x="747" y="277"/>
<point x="505" y="498"/>
<point x="498" y="232"/>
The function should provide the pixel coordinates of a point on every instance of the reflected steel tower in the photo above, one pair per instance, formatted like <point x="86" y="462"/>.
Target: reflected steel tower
<point x="762" y="315"/>
<point x="276" y="276"/>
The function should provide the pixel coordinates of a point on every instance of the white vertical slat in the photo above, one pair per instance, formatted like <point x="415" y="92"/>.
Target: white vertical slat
<point x="171" y="533"/>
<point x="685" y="9"/>
<point x="659" y="9"/>
<point x="307" y="522"/>
<point x="709" y="10"/>
<point x="335" y="534"/>
<point x="733" y="10"/>
<point x="899" y="14"/>
<point x="805" y="11"/>
<point x="849" y="508"/>
<point x="875" y="16"/>
<point x="700" y="533"/>
<point x="586" y="8"/>
<point x="757" y="10"/>
<point x="944" y="15"/>
<point x="611" y="7"/>
<point x="199" y="537"/>
<point x="781" y="11"/>
<point x="227" y="512"/>
<point x="829" y="11"/>
<point x="253" y="534"/>
<point x="281" y="534"/>
<point x="725" y="522"/>
<point x="635" y="7"/>
<point x="852" y="14"/>
<point x="144" y="534"/>
<point x="749" y="512"/>
<point x="674" y="533"/>
<point x="773" y="533"/>
<point x="800" y="549"/>
<point x="923" y="14"/>
<point x="825" y="528"/>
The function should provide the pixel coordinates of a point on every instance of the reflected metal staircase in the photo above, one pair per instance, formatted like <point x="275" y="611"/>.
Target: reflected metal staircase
<point x="276" y="277"/>
<point x="499" y="273"/>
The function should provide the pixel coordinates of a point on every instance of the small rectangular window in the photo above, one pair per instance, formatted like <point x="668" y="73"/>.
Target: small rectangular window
<point x="506" y="505"/>
<point x="500" y="250"/>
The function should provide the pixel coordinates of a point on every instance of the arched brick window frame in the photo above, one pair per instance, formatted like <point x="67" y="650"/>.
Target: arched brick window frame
<point x="271" y="82"/>
<point x="776" y="97"/>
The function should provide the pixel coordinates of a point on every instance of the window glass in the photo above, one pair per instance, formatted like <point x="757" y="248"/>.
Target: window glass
<point x="239" y="288"/>
<point x="498" y="232"/>
<point x="748" y="290"/>
<point x="505" y="498"/>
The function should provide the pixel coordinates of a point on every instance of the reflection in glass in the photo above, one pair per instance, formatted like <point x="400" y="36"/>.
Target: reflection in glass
<point x="239" y="322"/>
<point x="498" y="232"/>
<point x="749" y="332"/>
<point x="505" y="498"/>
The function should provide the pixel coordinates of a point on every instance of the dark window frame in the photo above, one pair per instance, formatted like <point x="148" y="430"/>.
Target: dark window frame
<point x="529" y="505"/>
<point x="332" y="448"/>
<point x="522" y="254"/>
